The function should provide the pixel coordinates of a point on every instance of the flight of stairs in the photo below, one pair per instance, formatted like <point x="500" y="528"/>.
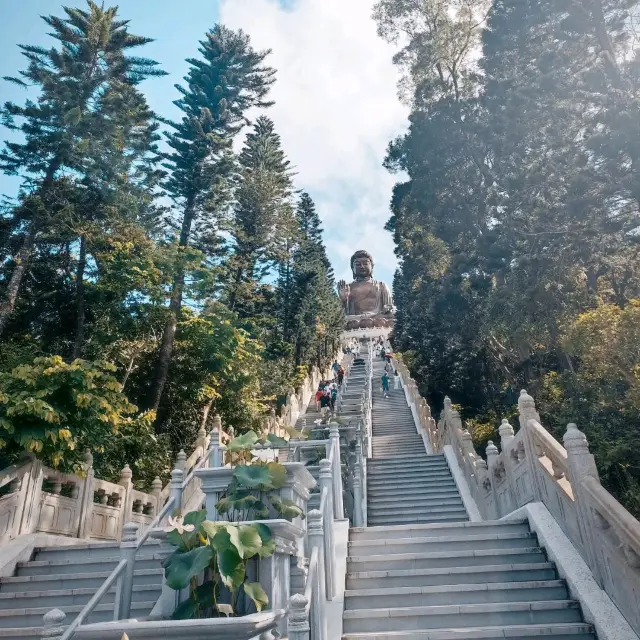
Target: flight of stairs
<point x="404" y="484"/>
<point x="66" y="578"/>
<point x="420" y="570"/>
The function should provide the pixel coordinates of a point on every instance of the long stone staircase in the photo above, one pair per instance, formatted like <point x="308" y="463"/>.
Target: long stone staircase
<point x="421" y="570"/>
<point x="66" y="578"/>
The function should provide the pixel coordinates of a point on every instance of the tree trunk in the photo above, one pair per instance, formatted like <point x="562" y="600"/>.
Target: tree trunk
<point x="23" y="256"/>
<point x="21" y="259"/>
<point x="80" y="311"/>
<point x="169" y="335"/>
<point x="205" y="413"/>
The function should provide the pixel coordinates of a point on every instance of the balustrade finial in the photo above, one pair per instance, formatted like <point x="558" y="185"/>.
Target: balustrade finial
<point x="491" y="449"/>
<point x="574" y="440"/>
<point x="126" y="474"/>
<point x="298" y="619"/>
<point x="325" y="468"/>
<point x="156" y="486"/>
<point x="87" y="459"/>
<point x="525" y="401"/>
<point x="217" y="424"/>
<point x="53" y="624"/>
<point x="181" y="460"/>
<point x="505" y="430"/>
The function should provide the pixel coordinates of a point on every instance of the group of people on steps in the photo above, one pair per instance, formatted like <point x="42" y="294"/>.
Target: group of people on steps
<point x="383" y="350"/>
<point x="327" y="393"/>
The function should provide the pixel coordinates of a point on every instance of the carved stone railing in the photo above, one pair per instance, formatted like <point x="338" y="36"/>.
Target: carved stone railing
<point x="533" y="466"/>
<point x="36" y="499"/>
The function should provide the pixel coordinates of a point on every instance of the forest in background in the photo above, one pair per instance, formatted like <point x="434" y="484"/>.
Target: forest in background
<point x="152" y="276"/>
<point x="517" y="229"/>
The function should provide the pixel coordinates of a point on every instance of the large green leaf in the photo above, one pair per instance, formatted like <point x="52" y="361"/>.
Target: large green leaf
<point x="181" y="566"/>
<point x="278" y="474"/>
<point x="185" y="610"/>
<point x="277" y="442"/>
<point x="257" y="594"/>
<point x="196" y="518"/>
<point x="268" y="543"/>
<point x="245" y="539"/>
<point x="243" y="442"/>
<point x="253" y="475"/>
<point x="231" y="568"/>
<point x="286" y="508"/>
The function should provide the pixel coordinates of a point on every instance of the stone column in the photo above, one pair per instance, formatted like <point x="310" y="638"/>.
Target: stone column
<point x="506" y="438"/>
<point x="156" y="492"/>
<point x="326" y="482"/>
<point x="492" y="461"/>
<point x="581" y="465"/>
<point x="527" y="410"/>
<point x="126" y="506"/>
<point x="338" y="504"/>
<point x="124" y="589"/>
<point x="274" y="572"/>
<point x="216" y="453"/>
<point x="86" y="497"/>
<point x="315" y="534"/>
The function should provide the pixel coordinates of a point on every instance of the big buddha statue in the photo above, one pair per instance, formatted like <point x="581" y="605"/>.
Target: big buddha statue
<point x="367" y="303"/>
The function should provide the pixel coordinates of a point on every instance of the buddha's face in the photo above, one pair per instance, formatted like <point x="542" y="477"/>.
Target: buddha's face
<point x="362" y="268"/>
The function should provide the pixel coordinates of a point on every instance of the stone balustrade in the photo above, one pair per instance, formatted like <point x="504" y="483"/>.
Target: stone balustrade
<point x="36" y="499"/>
<point x="532" y="466"/>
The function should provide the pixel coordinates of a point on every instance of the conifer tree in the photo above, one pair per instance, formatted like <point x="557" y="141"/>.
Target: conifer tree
<point x="262" y="217"/>
<point x="66" y="122"/>
<point x="228" y="79"/>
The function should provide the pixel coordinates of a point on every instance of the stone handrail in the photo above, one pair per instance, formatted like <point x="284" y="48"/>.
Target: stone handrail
<point x="533" y="466"/>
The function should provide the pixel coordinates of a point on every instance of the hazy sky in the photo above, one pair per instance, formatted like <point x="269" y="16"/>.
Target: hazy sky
<point x="336" y="106"/>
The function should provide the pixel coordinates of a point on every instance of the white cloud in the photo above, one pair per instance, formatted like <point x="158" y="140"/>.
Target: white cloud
<point x="336" y="110"/>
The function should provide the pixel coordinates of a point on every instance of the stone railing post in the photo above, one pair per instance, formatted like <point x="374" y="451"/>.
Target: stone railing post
<point x="86" y="504"/>
<point x="527" y="411"/>
<point x="492" y="461"/>
<point x="358" y="498"/>
<point x="31" y="493"/>
<point x="216" y="453"/>
<point x="122" y="610"/>
<point x="315" y="534"/>
<point x="507" y="434"/>
<point x="53" y="624"/>
<point x="126" y="506"/>
<point x="156" y="492"/>
<point x="175" y="490"/>
<point x="581" y="465"/>
<point x="298" y="619"/>
<point x="326" y="482"/>
<point x="338" y="504"/>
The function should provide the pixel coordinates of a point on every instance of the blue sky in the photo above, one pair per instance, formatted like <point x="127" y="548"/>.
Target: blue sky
<point x="336" y="107"/>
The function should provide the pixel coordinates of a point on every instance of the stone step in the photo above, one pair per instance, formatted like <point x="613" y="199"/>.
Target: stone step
<point x="563" y="631"/>
<point x="68" y="597"/>
<point x="427" y="459"/>
<point x="425" y="506"/>
<point x="381" y="495"/>
<point x="442" y="543"/>
<point x="383" y="521"/>
<point x="408" y="477"/>
<point x="441" y="559"/>
<point x="89" y="565"/>
<point x="102" y="613"/>
<point x="416" y="467"/>
<point x="425" y="531"/>
<point x="480" y="574"/>
<point x="414" y="486"/>
<point x="416" y="463"/>
<point x="461" y="616"/>
<point x="456" y="594"/>
<point x="80" y="552"/>
<point x="78" y="580"/>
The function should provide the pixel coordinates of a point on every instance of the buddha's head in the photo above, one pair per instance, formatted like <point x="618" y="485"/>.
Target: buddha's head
<point x="361" y="265"/>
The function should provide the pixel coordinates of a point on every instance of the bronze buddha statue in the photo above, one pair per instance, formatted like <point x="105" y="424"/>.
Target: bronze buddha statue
<point x="366" y="302"/>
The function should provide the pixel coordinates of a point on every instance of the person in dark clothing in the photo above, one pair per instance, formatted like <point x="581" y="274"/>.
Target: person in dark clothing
<point x="340" y="375"/>
<point x="325" y="404"/>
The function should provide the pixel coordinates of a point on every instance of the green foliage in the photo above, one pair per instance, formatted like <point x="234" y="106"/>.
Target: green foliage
<point x="58" y="410"/>
<point x="516" y="227"/>
<point x="222" y="549"/>
<point x="253" y="492"/>
<point x="177" y="293"/>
